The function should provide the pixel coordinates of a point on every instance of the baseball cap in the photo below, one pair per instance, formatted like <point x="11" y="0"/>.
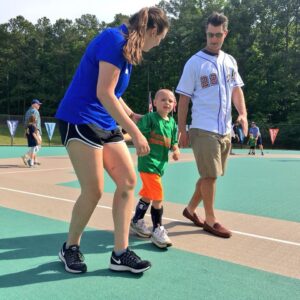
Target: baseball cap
<point x="36" y="101"/>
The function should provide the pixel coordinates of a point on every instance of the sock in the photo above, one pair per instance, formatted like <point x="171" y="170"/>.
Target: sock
<point x="156" y="216"/>
<point x="119" y="253"/>
<point x="140" y="210"/>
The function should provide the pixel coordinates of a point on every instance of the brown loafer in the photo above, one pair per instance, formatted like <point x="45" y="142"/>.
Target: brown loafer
<point x="218" y="230"/>
<point x="194" y="218"/>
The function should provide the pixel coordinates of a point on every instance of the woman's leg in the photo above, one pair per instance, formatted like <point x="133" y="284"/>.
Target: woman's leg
<point x="119" y="165"/>
<point x="88" y="165"/>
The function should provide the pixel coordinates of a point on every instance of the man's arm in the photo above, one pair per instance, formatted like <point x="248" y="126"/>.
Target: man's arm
<point x="183" y="107"/>
<point x="238" y="100"/>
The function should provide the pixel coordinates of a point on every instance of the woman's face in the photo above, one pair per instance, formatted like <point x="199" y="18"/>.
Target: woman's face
<point x="152" y="39"/>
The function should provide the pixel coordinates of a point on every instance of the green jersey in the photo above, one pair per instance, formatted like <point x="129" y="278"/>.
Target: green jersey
<point x="162" y="136"/>
<point x="252" y="142"/>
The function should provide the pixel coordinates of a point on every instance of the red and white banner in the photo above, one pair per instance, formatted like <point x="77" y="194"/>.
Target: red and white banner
<point x="273" y="134"/>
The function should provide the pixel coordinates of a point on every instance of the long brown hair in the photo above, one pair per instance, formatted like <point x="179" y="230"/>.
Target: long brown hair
<point x="139" y="23"/>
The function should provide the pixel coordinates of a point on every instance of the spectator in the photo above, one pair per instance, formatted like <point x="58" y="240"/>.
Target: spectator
<point x="33" y="110"/>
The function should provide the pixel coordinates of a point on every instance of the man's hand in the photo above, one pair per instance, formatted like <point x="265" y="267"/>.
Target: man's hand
<point x="183" y="139"/>
<point x="244" y="123"/>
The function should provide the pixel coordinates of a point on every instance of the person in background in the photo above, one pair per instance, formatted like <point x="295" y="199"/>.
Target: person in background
<point x="33" y="110"/>
<point x="88" y="116"/>
<point x="211" y="80"/>
<point x="254" y="130"/>
<point x="252" y="144"/>
<point x="33" y="140"/>
<point x="160" y="129"/>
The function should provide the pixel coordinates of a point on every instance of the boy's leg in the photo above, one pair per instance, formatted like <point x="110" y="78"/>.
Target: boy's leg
<point x="159" y="235"/>
<point x="137" y="224"/>
<point x="156" y="214"/>
<point x="141" y="209"/>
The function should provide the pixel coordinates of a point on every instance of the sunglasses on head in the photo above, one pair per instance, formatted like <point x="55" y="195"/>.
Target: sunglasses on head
<point x="217" y="35"/>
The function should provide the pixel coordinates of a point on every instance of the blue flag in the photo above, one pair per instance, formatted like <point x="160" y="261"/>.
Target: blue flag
<point x="50" y="129"/>
<point x="12" y="126"/>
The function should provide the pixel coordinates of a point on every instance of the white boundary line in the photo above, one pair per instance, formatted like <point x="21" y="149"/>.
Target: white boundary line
<point x="165" y="218"/>
<point x="35" y="170"/>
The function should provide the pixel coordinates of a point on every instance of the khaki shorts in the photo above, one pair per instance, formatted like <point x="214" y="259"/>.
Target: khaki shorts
<point x="211" y="151"/>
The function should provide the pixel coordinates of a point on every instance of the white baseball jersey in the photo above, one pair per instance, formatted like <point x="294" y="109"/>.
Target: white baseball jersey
<point x="209" y="80"/>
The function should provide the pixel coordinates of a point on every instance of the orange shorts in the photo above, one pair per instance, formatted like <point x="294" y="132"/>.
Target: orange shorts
<point x="152" y="186"/>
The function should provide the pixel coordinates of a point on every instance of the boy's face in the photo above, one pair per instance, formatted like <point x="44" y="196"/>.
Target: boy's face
<point x="164" y="102"/>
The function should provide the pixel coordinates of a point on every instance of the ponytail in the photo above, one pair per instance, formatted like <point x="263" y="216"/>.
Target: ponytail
<point x="139" y="23"/>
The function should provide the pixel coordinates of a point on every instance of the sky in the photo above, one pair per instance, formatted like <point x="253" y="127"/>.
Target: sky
<point x="104" y="10"/>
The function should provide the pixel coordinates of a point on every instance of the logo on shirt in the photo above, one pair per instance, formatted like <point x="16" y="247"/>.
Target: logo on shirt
<point x="127" y="71"/>
<point x="207" y="81"/>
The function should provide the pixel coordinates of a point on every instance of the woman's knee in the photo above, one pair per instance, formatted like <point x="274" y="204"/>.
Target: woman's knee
<point x="127" y="183"/>
<point x="93" y="194"/>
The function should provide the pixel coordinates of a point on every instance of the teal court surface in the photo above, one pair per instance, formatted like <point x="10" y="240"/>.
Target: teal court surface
<point x="258" y="199"/>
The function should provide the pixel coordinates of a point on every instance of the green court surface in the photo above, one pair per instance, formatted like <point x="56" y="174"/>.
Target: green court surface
<point x="251" y="186"/>
<point x="30" y="269"/>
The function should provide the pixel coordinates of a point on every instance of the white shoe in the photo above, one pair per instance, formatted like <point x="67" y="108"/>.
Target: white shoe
<point x="160" y="237"/>
<point x="140" y="228"/>
<point x="25" y="160"/>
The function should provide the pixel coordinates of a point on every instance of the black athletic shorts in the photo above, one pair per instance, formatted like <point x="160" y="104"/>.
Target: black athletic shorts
<point x="89" y="134"/>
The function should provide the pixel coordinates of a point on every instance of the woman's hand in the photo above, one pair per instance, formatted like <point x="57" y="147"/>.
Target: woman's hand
<point x="141" y="145"/>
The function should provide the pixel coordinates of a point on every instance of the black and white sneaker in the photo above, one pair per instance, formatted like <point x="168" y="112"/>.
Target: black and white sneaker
<point x="73" y="259"/>
<point x="128" y="261"/>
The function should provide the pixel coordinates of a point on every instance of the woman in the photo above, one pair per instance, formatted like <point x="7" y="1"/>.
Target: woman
<point x="87" y="119"/>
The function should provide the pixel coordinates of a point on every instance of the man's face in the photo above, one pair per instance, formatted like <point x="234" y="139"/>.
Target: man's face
<point x="215" y="36"/>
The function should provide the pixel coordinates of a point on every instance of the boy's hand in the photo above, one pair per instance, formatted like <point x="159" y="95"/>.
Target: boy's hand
<point x="176" y="154"/>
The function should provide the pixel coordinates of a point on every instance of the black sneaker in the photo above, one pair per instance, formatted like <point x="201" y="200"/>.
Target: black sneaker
<point x="73" y="259"/>
<point x="128" y="261"/>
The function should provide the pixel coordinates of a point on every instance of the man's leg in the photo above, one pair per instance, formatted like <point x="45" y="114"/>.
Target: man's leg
<point x="208" y="191"/>
<point x="196" y="198"/>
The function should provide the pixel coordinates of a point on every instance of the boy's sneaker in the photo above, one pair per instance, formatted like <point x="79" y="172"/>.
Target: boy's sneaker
<point x="128" y="261"/>
<point x="24" y="159"/>
<point x="140" y="228"/>
<point x="160" y="237"/>
<point x="73" y="259"/>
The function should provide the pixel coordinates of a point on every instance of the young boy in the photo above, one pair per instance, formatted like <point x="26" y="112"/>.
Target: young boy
<point x="252" y="144"/>
<point x="33" y="140"/>
<point x="160" y="129"/>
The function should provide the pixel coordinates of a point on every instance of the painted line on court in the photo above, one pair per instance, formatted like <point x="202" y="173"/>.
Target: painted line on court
<point x="35" y="170"/>
<point x="165" y="218"/>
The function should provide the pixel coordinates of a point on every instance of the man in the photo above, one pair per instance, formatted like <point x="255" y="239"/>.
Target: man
<point x="33" y="110"/>
<point x="254" y="130"/>
<point x="211" y="80"/>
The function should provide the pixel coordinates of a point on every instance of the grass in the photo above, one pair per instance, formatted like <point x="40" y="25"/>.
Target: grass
<point x="20" y="140"/>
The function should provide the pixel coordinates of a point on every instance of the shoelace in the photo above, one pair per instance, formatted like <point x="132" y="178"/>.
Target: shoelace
<point x="131" y="257"/>
<point x="75" y="256"/>
<point x="162" y="232"/>
<point x="143" y="225"/>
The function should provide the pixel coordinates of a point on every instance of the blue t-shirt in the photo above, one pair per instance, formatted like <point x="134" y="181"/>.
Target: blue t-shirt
<point x="80" y="104"/>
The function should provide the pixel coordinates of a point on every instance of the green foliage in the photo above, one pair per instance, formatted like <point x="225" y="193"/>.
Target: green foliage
<point x="38" y="61"/>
